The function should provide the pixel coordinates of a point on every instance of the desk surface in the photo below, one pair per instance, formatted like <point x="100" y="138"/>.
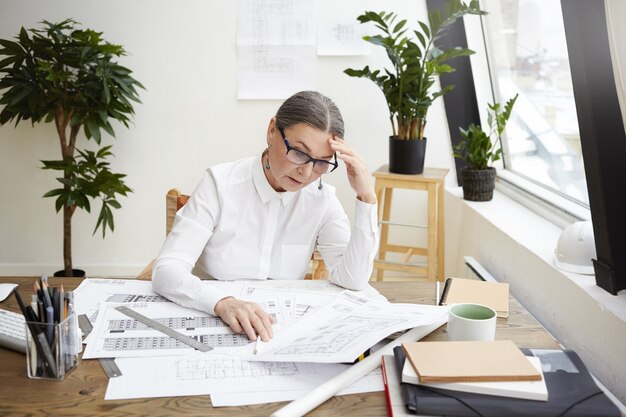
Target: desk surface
<point x="82" y="392"/>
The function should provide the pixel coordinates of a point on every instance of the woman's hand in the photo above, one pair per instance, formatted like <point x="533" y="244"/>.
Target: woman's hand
<point x="245" y="316"/>
<point x="359" y="177"/>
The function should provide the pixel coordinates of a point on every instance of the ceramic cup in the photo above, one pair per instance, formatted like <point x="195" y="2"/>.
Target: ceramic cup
<point x="468" y="321"/>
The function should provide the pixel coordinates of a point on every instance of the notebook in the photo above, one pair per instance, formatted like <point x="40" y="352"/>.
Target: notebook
<point x="572" y="393"/>
<point x="492" y="294"/>
<point x="470" y="361"/>
<point x="528" y="390"/>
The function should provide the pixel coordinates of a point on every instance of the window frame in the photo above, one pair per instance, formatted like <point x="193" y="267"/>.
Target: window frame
<point x="599" y="118"/>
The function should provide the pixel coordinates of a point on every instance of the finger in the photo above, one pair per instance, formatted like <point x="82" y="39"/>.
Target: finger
<point x="267" y="323"/>
<point x="234" y="324"/>
<point x="259" y="327"/>
<point x="248" y="328"/>
<point x="341" y="147"/>
<point x="355" y="163"/>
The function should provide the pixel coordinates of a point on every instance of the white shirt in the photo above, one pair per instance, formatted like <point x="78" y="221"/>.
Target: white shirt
<point x="236" y="226"/>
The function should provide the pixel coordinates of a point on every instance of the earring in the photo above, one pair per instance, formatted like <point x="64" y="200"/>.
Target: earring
<point x="319" y="187"/>
<point x="267" y="162"/>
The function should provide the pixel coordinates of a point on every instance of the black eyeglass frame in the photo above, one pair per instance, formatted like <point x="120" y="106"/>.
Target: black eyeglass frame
<point x="334" y="163"/>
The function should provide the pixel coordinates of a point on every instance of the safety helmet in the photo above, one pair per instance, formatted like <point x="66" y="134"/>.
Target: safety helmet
<point x="576" y="248"/>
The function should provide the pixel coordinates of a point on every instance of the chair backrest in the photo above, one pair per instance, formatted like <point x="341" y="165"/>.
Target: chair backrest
<point x="174" y="201"/>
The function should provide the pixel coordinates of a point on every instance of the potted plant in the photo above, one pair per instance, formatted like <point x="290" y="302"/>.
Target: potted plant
<point x="408" y="85"/>
<point x="479" y="151"/>
<point x="68" y="75"/>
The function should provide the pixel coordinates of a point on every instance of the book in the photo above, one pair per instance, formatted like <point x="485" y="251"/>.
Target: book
<point x="529" y="390"/>
<point x="572" y="392"/>
<point x="491" y="294"/>
<point x="470" y="361"/>
<point x="395" y="403"/>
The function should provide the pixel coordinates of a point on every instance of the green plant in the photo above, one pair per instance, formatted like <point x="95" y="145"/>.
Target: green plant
<point x="477" y="148"/>
<point x="416" y="64"/>
<point x="67" y="75"/>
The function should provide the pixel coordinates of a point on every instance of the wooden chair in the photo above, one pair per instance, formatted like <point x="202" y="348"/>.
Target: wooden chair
<point x="174" y="201"/>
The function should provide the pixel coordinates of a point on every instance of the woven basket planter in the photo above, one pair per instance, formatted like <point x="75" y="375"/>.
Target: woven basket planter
<point x="478" y="184"/>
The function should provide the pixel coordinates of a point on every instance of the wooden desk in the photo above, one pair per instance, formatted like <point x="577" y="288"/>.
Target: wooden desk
<point x="431" y="181"/>
<point x="82" y="392"/>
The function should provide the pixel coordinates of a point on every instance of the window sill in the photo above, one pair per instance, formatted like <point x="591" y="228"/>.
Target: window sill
<point x="539" y="236"/>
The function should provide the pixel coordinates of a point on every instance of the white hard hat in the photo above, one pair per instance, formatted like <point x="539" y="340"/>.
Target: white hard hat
<point x="576" y="248"/>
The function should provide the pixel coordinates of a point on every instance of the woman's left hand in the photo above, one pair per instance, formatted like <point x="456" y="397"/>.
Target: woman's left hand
<point x="359" y="177"/>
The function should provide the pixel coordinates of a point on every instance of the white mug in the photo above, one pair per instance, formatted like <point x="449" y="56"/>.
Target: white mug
<point x="467" y="321"/>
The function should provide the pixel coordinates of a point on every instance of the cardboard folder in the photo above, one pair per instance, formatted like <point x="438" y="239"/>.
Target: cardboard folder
<point x="471" y="361"/>
<point x="492" y="294"/>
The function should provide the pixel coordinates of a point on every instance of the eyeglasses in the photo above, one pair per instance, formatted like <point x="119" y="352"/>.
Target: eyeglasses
<point x="298" y="157"/>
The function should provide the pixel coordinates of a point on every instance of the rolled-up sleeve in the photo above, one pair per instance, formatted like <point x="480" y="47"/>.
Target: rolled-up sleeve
<point x="192" y="229"/>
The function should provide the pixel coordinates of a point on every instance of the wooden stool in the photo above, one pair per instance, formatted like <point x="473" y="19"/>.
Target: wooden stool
<point x="431" y="181"/>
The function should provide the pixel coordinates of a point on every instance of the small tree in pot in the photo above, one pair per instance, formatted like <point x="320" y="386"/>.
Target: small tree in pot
<point x="69" y="76"/>
<point x="479" y="152"/>
<point x="409" y="85"/>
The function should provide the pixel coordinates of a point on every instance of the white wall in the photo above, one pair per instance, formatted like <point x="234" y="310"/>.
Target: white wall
<point x="185" y="55"/>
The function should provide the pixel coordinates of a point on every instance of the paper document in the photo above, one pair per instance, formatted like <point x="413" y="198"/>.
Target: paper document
<point x="116" y="335"/>
<point x="342" y="330"/>
<point x="219" y="373"/>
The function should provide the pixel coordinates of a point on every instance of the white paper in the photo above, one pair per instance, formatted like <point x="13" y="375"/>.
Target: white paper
<point x="6" y="290"/>
<point x="371" y="382"/>
<point x="116" y="335"/>
<point x="214" y="373"/>
<point x="274" y="72"/>
<point x="342" y="330"/>
<point x="341" y="37"/>
<point x="275" y="48"/>
<point x="275" y="22"/>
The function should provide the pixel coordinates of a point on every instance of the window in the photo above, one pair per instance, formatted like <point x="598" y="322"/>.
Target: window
<point x="527" y="54"/>
<point x="599" y="118"/>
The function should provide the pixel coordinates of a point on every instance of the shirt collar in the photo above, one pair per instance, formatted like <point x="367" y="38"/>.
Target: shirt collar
<point x="263" y="187"/>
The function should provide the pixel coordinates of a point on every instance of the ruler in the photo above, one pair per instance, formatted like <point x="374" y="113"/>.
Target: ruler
<point x="189" y="341"/>
<point x="108" y="364"/>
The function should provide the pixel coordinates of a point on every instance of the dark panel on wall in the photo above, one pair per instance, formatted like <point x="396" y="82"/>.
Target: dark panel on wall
<point x="460" y="103"/>
<point x="602" y="135"/>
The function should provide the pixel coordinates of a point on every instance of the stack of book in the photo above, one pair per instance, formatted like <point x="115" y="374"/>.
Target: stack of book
<point x="490" y="379"/>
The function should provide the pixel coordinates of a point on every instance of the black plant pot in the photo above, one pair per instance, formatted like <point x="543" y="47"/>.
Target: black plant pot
<point x="76" y="273"/>
<point x="478" y="184"/>
<point x="406" y="156"/>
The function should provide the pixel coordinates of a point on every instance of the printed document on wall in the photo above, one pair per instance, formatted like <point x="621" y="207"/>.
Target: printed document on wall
<point x="341" y="38"/>
<point x="275" y="48"/>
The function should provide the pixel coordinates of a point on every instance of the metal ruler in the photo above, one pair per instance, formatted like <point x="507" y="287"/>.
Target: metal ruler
<point x="189" y="341"/>
<point x="108" y="364"/>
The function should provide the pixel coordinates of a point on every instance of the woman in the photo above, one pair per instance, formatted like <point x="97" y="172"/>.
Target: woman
<point x="261" y="217"/>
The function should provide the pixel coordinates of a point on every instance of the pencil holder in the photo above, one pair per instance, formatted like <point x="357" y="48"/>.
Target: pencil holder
<point x="52" y="350"/>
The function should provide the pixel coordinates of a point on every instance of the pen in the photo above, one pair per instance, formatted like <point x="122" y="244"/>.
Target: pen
<point x="33" y="305"/>
<point x="47" y="302"/>
<point x="256" y="345"/>
<point x="40" y="339"/>
<point x="50" y="322"/>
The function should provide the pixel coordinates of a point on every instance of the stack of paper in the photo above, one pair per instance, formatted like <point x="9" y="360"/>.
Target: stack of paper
<point x="472" y="361"/>
<point x="528" y="390"/>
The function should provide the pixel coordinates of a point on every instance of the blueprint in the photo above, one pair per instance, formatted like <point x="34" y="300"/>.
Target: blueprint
<point x="116" y="335"/>
<point x="220" y="373"/>
<point x="342" y="330"/>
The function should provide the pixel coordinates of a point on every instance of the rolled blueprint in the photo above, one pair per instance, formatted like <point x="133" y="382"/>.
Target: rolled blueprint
<point x="342" y="381"/>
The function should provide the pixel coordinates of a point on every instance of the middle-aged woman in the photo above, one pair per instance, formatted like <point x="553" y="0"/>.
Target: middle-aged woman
<point x="261" y="218"/>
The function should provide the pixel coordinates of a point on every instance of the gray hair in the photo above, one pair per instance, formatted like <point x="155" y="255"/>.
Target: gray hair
<point x="312" y="108"/>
